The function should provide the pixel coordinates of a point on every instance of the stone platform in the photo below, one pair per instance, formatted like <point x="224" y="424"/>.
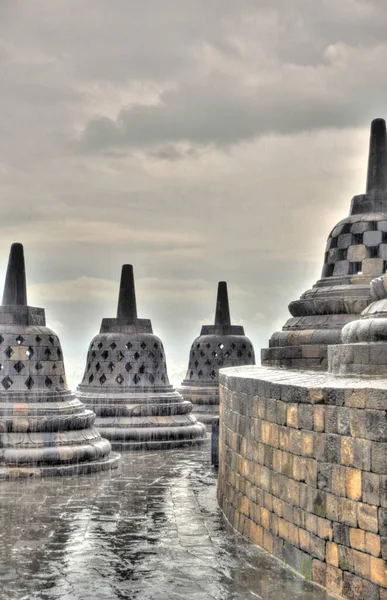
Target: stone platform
<point x="150" y="531"/>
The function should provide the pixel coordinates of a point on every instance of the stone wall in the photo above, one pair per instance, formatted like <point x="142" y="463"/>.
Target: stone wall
<point x="303" y="473"/>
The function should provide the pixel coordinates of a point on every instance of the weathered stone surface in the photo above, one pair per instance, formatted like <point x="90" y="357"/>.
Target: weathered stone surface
<point x="355" y="254"/>
<point x="336" y="516"/>
<point x="44" y="429"/>
<point x="126" y="383"/>
<point x="218" y="346"/>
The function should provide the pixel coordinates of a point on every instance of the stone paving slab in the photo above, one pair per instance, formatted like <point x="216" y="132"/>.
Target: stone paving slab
<point x="151" y="530"/>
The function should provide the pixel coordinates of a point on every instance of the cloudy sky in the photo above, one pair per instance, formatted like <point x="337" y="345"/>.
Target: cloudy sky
<point x="199" y="140"/>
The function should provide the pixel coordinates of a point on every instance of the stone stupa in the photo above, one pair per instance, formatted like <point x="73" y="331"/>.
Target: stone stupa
<point x="218" y="346"/>
<point x="356" y="253"/>
<point x="126" y="383"/>
<point x="44" y="429"/>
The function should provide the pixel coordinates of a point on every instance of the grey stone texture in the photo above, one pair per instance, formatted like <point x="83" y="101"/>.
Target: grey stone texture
<point x="363" y="350"/>
<point x="215" y="441"/>
<point x="126" y="383"/>
<point x="355" y="254"/>
<point x="44" y="429"/>
<point x="303" y="472"/>
<point x="218" y="346"/>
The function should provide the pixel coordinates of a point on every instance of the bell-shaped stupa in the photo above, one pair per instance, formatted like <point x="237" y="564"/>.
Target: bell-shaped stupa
<point x="356" y="253"/>
<point x="363" y="348"/>
<point x="218" y="346"/>
<point x="44" y="429"/>
<point x="126" y="383"/>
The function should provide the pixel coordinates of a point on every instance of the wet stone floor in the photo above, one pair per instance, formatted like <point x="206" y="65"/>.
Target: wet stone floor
<point x="151" y="530"/>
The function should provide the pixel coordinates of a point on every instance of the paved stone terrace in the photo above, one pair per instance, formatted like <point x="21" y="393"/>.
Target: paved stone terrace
<point x="151" y="530"/>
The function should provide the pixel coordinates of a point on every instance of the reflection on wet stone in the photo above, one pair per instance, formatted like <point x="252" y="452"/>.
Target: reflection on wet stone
<point x="151" y="531"/>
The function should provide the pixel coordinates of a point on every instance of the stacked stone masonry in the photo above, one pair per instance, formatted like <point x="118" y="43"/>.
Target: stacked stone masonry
<point x="303" y="473"/>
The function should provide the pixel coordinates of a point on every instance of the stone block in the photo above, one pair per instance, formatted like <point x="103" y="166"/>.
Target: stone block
<point x="382" y="521"/>
<point x="383" y="547"/>
<point x="356" y="588"/>
<point x="370" y="488"/>
<point x="344" y="240"/>
<point x="332" y="554"/>
<point x="383" y="251"/>
<point x="378" y="571"/>
<point x="319" y="418"/>
<point x="361" y="564"/>
<point x="372" y="544"/>
<point x="355" y="398"/>
<point x="338" y="480"/>
<point x="372" y="238"/>
<point x="305" y="416"/>
<point x="292" y="416"/>
<point x="299" y="560"/>
<point x="353" y="484"/>
<point x="356" y="453"/>
<point x="319" y="572"/>
<point x="324" y="476"/>
<point x="324" y="529"/>
<point x="334" y="580"/>
<point x="379" y="457"/>
<point x="348" y="512"/>
<point x="357" y="253"/>
<point x="341" y="268"/>
<point x="341" y="534"/>
<point x="357" y="539"/>
<point x="367" y="517"/>
<point x="346" y="558"/>
<point x="372" y="267"/>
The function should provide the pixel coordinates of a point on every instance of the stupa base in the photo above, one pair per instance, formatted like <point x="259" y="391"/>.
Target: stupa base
<point x="154" y="434"/>
<point x="308" y="357"/>
<point x="205" y="401"/>
<point x="64" y="470"/>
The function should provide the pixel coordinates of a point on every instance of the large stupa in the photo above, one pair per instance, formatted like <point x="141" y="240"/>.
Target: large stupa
<point x="356" y="253"/>
<point x="44" y="429"/>
<point x="126" y="383"/>
<point x="218" y="346"/>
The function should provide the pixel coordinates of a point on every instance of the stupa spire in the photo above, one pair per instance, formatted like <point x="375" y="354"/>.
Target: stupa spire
<point x="377" y="158"/>
<point x="15" y="289"/>
<point x="127" y="307"/>
<point x="222" y="315"/>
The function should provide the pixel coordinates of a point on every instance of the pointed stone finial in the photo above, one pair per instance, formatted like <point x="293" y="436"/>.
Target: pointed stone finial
<point x="15" y="289"/>
<point x="222" y="315"/>
<point x="377" y="159"/>
<point x="127" y="307"/>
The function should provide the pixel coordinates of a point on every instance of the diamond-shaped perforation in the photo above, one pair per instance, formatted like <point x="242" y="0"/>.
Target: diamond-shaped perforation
<point x="99" y="346"/>
<point x="136" y="379"/>
<point x="9" y="352"/>
<point x="20" y="339"/>
<point x="151" y="378"/>
<point x="29" y="383"/>
<point x="143" y="345"/>
<point x="102" y="379"/>
<point x="91" y="378"/>
<point x="30" y="352"/>
<point x="105" y="354"/>
<point x="48" y="382"/>
<point x="38" y="339"/>
<point x="1" y="339"/>
<point x="38" y="366"/>
<point x="6" y="382"/>
<point x="51" y="340"/>
<point x="136" y="355"/>
<point x="47" y="353"/>
<point x="142" y="369"/>
<point x="113" y="345"/>
<point x="120" y="356"/>
<point x="128" y="367"/>
<point x="97" y="367"/>
<point x="18" y="366"/>
<point x="119" y="379"/>
<point x="59" y="353"/>
<point x="111" y="367"/>
<point x="128" y="346"/>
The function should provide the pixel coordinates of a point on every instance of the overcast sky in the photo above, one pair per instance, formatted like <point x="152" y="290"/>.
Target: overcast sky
<point x="199" y="140"/>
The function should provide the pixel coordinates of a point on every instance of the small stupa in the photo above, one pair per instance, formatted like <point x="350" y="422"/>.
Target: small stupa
<point x="44" y="429"/>
<point x="218" y="346"/>
<point x="363" y="350"/>
<point x="356" y="253"/>
<point x="126" y="383"/>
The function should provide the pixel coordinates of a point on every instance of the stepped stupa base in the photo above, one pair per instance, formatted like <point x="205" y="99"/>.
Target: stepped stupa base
<point x="205" y="401"/>
<point x="141" y="421"/>
<point x="63" y="470"/>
